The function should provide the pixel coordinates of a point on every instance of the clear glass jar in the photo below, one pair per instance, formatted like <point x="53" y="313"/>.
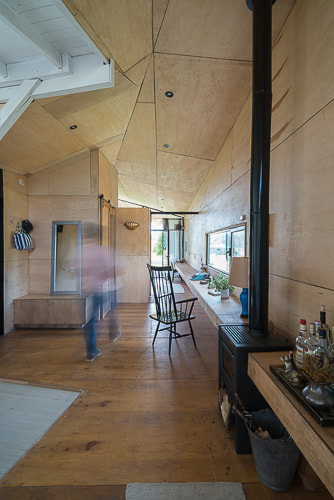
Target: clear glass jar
<point x="319" y="364"/>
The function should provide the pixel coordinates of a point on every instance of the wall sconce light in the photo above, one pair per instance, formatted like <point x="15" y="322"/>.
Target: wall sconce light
<point x="131" y="225"/>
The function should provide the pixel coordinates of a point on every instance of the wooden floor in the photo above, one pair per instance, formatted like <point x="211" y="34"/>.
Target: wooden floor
<point x="141" y="417"/>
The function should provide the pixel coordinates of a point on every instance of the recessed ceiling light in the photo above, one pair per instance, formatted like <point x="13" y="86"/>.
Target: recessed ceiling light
<point x="169" y="93"/>
<point x="73" y="127"/>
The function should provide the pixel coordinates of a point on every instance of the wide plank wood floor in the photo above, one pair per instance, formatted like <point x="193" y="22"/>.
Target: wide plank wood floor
<point x="141" y="416"/>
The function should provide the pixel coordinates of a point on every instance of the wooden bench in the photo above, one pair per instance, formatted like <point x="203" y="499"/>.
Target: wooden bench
<point x="52" y="311"/>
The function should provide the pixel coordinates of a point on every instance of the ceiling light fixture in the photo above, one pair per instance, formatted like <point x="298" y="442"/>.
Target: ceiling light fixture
<point x="166" y="146"/>
<point x="169" y="93"/>
<point x="73" y="127"/>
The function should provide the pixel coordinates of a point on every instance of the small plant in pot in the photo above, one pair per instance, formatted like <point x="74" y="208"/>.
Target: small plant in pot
<point x="222" y="285"/>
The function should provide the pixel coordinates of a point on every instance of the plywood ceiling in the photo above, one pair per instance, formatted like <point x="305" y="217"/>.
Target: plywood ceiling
<point x="163" y="148"/>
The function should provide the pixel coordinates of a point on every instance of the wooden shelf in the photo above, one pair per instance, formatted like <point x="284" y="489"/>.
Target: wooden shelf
<point x="314" y="441"/>
<point x="219" y="311"/>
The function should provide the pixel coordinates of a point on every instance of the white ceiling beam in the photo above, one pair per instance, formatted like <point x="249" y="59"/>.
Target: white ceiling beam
<point x="19" y="99"/>
<point x="37" y="68"/>
<point x="89" y="73"/>
<point x="79" y="29"/>
<point x="3" y="70"/>
<point x="16" y="22"/>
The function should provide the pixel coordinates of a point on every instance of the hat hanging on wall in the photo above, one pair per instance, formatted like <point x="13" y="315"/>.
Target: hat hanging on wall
<point x="27" y="226"/>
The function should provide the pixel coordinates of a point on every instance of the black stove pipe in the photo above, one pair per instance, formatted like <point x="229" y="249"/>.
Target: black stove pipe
<point x="260" y="168"/>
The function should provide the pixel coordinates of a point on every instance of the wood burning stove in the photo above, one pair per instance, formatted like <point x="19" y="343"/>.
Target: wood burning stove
<point x="235" y="342"/>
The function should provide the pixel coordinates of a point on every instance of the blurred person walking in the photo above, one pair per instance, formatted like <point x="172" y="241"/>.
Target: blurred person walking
<point x="96" y="271"/>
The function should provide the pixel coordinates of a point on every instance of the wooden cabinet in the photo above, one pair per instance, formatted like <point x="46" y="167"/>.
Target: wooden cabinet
<point x="52" y="311"/>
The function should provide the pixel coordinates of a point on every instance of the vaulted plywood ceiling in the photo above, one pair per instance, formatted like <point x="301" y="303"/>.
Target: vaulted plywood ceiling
<point x="163" y="147"/>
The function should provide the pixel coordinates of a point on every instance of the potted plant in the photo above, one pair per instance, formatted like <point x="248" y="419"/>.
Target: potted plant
<point x="222" y="285"/>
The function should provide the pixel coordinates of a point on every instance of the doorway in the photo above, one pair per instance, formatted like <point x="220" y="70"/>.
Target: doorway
<point x="1" y="257"/>
<point x="166" y="240"/>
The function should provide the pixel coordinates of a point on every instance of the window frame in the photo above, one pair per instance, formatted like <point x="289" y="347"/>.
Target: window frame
<point x="230" y="229"/>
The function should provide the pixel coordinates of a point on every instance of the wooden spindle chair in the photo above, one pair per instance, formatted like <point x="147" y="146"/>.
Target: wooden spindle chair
<point x="169" y="311"/>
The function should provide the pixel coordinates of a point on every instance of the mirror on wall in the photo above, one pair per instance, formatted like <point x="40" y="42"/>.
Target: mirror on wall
<point x="66" y="258"/>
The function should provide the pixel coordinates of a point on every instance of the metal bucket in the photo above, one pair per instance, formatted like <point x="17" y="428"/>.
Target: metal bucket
<point x="276" y="459"/>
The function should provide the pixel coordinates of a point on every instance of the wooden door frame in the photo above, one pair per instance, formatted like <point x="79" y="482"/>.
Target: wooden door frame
<point x="107" y="213"/>
<point x="1" y="257"/>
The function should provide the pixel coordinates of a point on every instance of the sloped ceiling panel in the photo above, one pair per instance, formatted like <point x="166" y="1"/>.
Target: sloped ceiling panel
<point x="219" y="29"/>
<point x="181" y="172"/>
<point x="147" y="90"/>
<point x="138" y="192"/>
<point x="137" y="156"/>
<point x="111" y="151"/>
<point x="208" y="96"/>
<point x="107" y="119"/>
<point x="159" y="11"/>
<point x="123" y="26"/>
<point x="35" y="140"/>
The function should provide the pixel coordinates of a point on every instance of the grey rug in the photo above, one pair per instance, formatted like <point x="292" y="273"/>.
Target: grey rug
<point x="26" y="413"/>
<point x="184" y="491"/>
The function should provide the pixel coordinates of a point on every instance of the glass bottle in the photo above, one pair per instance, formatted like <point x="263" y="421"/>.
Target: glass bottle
<point x="331" y="348"/>
<point x="300" y="343"/>
<point x="311" y="342"/>
<point x="319" y="365"/>
<point x="328" y="334"/>
<point x="317" y="325"/>
<point x="322" y="315"/>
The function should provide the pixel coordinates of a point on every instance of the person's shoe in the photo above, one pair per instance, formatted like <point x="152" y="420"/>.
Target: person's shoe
<point x="91" y="357"/>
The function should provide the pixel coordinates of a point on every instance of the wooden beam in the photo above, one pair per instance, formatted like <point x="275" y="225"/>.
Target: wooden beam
<point x="16" y="105"/>
<point x="22" y="28"/>
<point x="40" y="68"/>
<point x="89" y="73"/>
<point x="81" y="32"/>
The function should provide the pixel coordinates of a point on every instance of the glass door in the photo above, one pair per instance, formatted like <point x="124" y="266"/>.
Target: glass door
<point x="166" y="240"/>
<point x="165" y="248"/>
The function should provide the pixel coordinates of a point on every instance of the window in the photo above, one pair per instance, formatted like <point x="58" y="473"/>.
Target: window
<point x="224" y="244"/>
<point x="166" y="240"/>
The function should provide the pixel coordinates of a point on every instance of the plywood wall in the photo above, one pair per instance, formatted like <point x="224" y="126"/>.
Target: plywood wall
<point x="108" y="180"/>
<point x="61" y="192"/>
<point x="16" y="276"/>
<point x="302" y="174"/>
<point x="132" y="255"/>
<point x="66" y="190"/>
